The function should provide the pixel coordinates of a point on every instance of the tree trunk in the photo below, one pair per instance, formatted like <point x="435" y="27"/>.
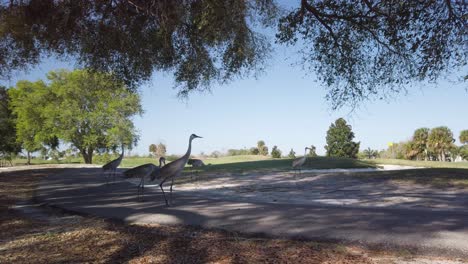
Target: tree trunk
<point x="443" y="155"/>
<point x="29" y="158"/>
<point x="87" y="155"/>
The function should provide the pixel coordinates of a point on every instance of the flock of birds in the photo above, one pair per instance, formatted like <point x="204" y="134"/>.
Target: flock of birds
<point x="167" y="172"/>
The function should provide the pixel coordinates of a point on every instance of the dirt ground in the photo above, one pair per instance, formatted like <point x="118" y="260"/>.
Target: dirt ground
<point x="50" y="236"/>
<point x="443" y="189"/>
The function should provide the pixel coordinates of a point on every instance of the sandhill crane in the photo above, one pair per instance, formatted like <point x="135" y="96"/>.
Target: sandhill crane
<point x="299" y="162"/>
<point x="143" y="171"/>
<point x="112" y="166"/>
<point x="174" y="169"/>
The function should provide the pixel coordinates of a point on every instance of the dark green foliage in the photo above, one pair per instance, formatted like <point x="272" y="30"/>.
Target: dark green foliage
<point x="440" y="141"/>
<point x="420" y="146"/>
<point x="200" y="41"/>
<point x="464" y="136"/>
<point x="275" y="152"/>
<point x="463" y="151"/>
<point x="359" y="49"/>
<point x="253" y="151"/>
<point x="292" y="154"/>
<point x="8" y="143"/>
<point x="368" y="49"/>
<point x="340" y="140"/>
<point x="262" y="148"/>
<point x="370" y="153"/>
<point x="90" y="110"/>
<point x="312" y="151"/>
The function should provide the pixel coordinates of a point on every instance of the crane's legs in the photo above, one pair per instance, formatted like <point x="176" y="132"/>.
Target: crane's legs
<point x="142" y="187"/>
<point x="172" y="183"/>
<point x="161" y="186"/>
<point x="107" y="177"/>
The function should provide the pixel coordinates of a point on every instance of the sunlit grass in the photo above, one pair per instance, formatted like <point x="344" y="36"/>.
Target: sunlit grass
<point x="258" y="162"/>
<point x="428" y="164"/>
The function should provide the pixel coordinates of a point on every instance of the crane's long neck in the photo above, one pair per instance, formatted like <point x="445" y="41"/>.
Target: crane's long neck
<point x="187" y="154"/>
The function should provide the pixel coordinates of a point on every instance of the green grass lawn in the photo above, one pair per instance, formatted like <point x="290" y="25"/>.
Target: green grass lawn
<point x="427" y="164"/>
<point x="435" y="177"/>
<point x="255" y="162"/>
<point x="251" y="162"/>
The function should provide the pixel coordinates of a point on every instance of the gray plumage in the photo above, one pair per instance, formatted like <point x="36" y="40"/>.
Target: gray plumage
<point x="148" y="171"/>
<point x="174" y="169"/>
<point x="112" y="166"/>
<point x="299" y="162"/>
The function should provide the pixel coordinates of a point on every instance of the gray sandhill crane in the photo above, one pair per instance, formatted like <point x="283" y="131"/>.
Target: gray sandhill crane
<point x="299" y="162"/>
<point x="144" y="171"/>
<point x="112" y="166"/>
<point x="174" y="169"/>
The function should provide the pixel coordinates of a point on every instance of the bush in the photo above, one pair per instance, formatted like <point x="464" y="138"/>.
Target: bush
<point x="292" y="154"/>
<point x="254" y="151"/>
<point x="275" y="152"/>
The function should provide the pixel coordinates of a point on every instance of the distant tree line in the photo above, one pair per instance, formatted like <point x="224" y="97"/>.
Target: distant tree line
<point x="436" y="144"/>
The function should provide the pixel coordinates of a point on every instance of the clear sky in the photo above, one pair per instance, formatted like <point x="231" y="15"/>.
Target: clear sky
<point x="284" y="106"/>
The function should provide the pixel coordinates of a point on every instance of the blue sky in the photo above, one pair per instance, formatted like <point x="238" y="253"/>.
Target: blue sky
<point x="284" y="106"/>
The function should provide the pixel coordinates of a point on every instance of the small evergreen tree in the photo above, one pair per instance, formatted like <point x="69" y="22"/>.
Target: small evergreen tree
<point x="292" y="154"/>
<point x="262" y="148"/>
<point x="464" y="136"/>
<point x="253" y="151"/>
<point x="312" y="151"/>
<point x="340" y="140"/>
<point x="275" y="152"/>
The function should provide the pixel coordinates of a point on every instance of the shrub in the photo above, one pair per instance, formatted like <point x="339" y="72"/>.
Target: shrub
<point x="292" y="154"/>
<point x="275" y="152"/>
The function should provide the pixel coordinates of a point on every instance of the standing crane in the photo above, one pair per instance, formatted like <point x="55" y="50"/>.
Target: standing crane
<point x="299" y="162"/>
<point x="112" y="166"/>
<point x="174" y="169"/>
<point x="144" y="171"/>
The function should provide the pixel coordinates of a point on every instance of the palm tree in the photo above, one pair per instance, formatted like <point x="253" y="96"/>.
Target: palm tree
<point x="420" y="137"/>
<point x="440" y="140"/>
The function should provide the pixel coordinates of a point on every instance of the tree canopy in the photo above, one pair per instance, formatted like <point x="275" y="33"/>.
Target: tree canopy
<point x="440" y="141"/>
<point x="90" y="110"/>
<point x="464" y="136"/>
<point x="28" y="103"/>
<point x="363" y="49"/>
<point x="8" y="143"/>
<point x="360" y="49"/>
<point x="200" y="41"/>
<point x="340" y="140"/>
